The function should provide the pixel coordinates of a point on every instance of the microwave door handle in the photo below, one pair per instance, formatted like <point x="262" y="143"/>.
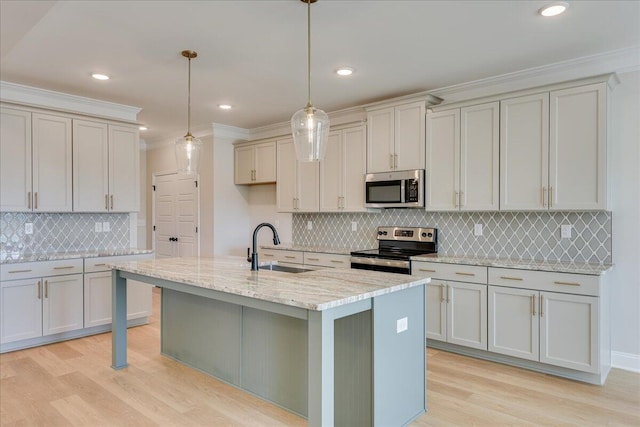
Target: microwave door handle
<point x="402" y="191"/>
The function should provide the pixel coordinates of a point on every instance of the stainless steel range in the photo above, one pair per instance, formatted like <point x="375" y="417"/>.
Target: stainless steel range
<point x="395" y="247"/>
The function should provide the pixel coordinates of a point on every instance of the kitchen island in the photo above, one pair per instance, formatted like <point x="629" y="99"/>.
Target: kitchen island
<point x="338" y="346"/>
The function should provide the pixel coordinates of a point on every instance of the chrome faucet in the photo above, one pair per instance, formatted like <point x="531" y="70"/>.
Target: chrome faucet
<point x="254" y="256"/>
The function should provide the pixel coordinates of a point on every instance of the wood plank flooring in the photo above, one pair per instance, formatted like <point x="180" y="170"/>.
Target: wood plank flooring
<point x="72" y="383"/>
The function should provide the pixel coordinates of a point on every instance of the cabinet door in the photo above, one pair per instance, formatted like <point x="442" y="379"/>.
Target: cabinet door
<point x="308" y="186"/>
<point x="124" y="167"/>
<point x="52" y="167"/>
<point x="265" y="162"/>
<point x="90" y="167"/>
<point x="332" y="174"/>
<point x="62" y="305"/>
<point x="569" y="331"/>
<point x="443" y="165"/>
<point x="410" y="136"/>
<point x="577" y="148"/>
<point x="380" y="140"/>
<point x="354" y="141"/>
<point x="20" y="310"/>
<point x="97" y="299"/>
<point x="513" y="322"/>
<point x="524" y="152"/>
<point x="286" y="176"/>
<point x="479" y="157"/>
<point x="436" y="311"/>
<point x="15" y="160"/>
<point x="467" y="314"/>
<point x="243" y="167"/>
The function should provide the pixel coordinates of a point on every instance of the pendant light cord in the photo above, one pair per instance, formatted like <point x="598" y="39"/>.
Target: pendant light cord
<point x="189" y="101"/>
<point x="309" y="52"/>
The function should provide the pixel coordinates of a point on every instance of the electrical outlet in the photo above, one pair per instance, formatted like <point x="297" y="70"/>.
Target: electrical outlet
<point x="309" y="225"/>
<point x="98" y="227"/>
<point x="354" y="226"/>
<point x="28" y="228"/>
<point x="565" y="231"/>
<point x="402" y="324"/>
<point x="477" y="230"/>
<point x="106" y="226"/>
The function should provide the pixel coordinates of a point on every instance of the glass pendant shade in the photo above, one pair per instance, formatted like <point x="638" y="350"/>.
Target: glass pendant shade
<point x="310" y="128"/>
<point x="188" y="154"/>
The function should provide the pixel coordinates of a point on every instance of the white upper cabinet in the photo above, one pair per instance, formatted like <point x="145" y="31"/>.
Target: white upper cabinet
<point x="577" y="148"/>
<point x="396" y="138"/>
<point x="462" y="159"/>
<point x="553" y="150"/>
<point x="255" y="163"/>
<point x="297" y="183"/>
<point x="342" y="171"/>
<point x="524" y="153"/>
<point x="15" y="160"/>
<point x="36" y="162"/>
<point x="106" y="167"/>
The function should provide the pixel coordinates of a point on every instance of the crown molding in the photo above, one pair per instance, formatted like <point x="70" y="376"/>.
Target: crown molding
<point x="36" y="97"/>
<point x="198" y="132"/>
<point x="221" y="131"/>
<point x="616" y="61"/>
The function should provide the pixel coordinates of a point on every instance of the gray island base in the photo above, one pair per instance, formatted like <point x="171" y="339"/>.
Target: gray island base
<point x="337" y="346"/>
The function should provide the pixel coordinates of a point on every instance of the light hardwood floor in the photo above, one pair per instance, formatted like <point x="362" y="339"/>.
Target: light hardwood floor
<point x="71" y="383"/>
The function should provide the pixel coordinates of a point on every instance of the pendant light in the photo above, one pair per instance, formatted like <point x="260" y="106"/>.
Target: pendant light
<point x="310" y="126"/>
<point x="188" y="147"/>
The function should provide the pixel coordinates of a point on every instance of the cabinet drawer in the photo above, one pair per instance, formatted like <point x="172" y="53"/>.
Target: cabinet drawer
<point x="567" y="283"/>
<point x="327" y="260"/>
<point x="294" y="257"/>
<point x="26" y="270"/>
<point x="455" y="272"/>
<point x="92" y="265"/>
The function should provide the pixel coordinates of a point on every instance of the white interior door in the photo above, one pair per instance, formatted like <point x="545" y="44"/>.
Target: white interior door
<point x="176" y="219"/>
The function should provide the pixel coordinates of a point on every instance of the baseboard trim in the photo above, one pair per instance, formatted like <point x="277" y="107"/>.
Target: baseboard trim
<point x="626" y="361"/>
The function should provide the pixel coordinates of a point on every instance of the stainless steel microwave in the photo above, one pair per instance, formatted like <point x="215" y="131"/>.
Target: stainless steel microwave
<point x="402" y="189"/>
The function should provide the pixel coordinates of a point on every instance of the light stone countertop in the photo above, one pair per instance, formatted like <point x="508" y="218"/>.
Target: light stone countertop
<point x="311" y="248"/>
<point x="73" y="255"/>
<point x="521" y="264"/>
<point x="312" y="290"/>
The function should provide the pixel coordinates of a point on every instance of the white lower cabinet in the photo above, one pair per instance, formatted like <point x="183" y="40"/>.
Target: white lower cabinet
<point x="62" y="304"/>
<point x="21" y="310"/>
<point x="456" y="310"/>
<point x="531" y="321"/>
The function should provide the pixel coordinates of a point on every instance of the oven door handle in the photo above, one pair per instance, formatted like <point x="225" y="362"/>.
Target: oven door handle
<point x="380" y="262"/>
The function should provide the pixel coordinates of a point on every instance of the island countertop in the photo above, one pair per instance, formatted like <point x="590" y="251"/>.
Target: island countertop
<point x="312" y="290"/>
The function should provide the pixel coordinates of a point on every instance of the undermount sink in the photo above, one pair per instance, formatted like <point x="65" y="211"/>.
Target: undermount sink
<point x="283" y="268"/>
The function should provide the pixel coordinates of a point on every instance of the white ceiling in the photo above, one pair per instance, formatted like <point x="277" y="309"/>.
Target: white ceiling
<point x="252" y="54"/>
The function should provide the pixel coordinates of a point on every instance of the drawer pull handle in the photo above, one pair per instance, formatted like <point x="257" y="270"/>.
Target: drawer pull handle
<point x="19" y="271"/>
<point x="427" y="270"/>
<point x="66" y="267"/>
<point x="337" y="261"/>
<point x="268" y="255"/>
<point x="313" y="259"/>
<point x="289" y="257"/>
<point x="567" y="283"/>
<point x="465" y="274"/>
<point x="510" y="278"/>
<point x="99" y="265"/>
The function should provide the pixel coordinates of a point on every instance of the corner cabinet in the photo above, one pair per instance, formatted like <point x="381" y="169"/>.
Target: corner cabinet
<point x="462" y="159"/>
<point x="106" y="167"/>
<point x="553" y="150"/>
<point x="297" y="183"/>
<point x="36" y="152"/>
<point x="342" y="171"/>
<point x="255" y="163"/>
<point x="396" y="137"/>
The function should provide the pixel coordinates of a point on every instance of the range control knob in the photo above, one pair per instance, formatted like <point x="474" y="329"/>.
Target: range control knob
<point x="384" y="232"/>
<point x="430" y="234"/>
<point x="424" y="234"/>
<point x="379" y="233"/>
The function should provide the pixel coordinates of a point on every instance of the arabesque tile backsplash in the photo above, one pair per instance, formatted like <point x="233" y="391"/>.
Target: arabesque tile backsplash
<point x="60" y="232"/>
<point x="515" y="235"/>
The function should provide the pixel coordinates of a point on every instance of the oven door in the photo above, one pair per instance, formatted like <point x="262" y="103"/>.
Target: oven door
<point x="381" y="264"/>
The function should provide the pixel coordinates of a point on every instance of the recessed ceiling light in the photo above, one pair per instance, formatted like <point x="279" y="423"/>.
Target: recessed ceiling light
<point x="143" y="128"/>
<point x="224" y="106"/>
<point x="99" y="76"/>
<point x="554" y="9"/>
<point x="344" y="71"/>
